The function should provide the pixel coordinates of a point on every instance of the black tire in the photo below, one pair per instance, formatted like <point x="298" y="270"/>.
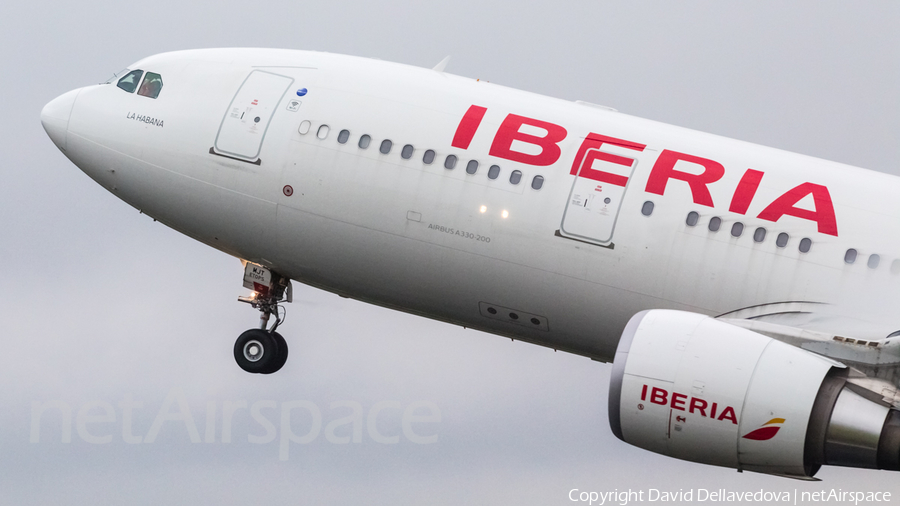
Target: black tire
<point x="282" y="354"/>
<point x="256" y="351"/>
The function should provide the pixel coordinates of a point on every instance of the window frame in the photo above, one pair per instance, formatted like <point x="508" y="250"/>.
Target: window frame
<point x="136" y="81"/>
<point x="760" y="232"/>
<point x="692" y="219"/>
<point x="140" y="89"/>
<point x="450" y="162"/>
<point x="787" y="239"/>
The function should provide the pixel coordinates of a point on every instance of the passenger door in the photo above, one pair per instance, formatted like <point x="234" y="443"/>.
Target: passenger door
<point x="246" y="121"/>
<point x="601" y="180"/>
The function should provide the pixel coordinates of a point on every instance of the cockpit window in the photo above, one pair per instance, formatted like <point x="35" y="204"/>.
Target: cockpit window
<point x="130" y="81"/>
<point x="151" y="85"/>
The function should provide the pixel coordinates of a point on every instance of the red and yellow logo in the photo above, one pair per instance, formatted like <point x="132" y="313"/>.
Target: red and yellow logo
<point x="767" y="431"/>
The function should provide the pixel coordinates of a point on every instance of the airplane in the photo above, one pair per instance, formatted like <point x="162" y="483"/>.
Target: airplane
<point x="746" y="296"/>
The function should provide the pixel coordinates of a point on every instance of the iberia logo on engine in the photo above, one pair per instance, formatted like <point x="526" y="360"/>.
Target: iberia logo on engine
<point x="690" y="404"/>
<point x="767" y="431"/>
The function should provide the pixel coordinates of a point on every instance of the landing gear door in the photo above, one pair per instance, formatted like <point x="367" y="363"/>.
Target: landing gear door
<point x="601" y="179"/>
<point x="247" y="118"/>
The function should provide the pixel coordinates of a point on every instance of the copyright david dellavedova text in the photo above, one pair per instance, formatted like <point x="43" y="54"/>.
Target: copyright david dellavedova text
<point x="721" y="495"/>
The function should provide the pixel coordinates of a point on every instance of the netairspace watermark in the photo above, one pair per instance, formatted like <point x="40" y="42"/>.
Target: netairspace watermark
<point x="721" y="495"/>
<point x="95" y="422"/>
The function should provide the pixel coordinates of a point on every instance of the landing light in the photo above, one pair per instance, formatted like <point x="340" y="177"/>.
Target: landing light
<point x="505" y="213"/>
<point x="250" y="299"/>
<point x="483" y="209"/>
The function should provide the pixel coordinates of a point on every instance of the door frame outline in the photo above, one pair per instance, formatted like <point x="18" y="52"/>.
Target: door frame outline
<point x="590" y="240"/>
<point x="255" y="158"/>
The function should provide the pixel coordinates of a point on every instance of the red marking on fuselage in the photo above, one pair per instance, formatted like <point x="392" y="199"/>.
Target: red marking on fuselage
<point x="664" y="170"/>
<point x="589" y="151"/>
<point x="823" y="214"/>
<point x="467" y="127"/>
<point x="509" y="132"/>
<point x="745" y="191"/>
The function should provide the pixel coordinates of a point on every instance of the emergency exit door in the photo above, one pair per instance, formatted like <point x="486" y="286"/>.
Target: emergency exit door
<point x="247" y="118"/>
<point x="596" y="197"/>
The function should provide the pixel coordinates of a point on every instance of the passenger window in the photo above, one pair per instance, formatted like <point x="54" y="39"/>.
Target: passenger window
<point x="647" y="208"/>
<point x="343" y="136"/>
<point x="494" y="172"/>
<point x="737" y="229"/>
<point x="130" y="80"/>
<point x="895" y="266"/>
<point x="364" y="141"/>
<point x="537" y="182"/>
<point x="472" y="167"/>
<point x="759" y="235"/>
<point x="805" y="244"/>
<point x="782" y="240"/>
<point x="385" y="146"/>
<point x="322" y="133"/>
<point x="407" y="152"/>
<point x="515" y="177"/>
<point x="450" y="162"/>
<point x="850" y="256"/>
<point x="873" y="262"/>
<point x="304" y="127"/>
<point x="692" y="218"/>
<point x="428" y="157"/>
<point x="714" y="224"/>
<point x="151" y="86"/>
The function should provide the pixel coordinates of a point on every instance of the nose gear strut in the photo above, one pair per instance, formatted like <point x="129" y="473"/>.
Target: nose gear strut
<point x="263" y="350"/>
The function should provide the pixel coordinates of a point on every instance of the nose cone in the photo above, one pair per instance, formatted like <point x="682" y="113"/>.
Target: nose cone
<point x="55" y="117"/>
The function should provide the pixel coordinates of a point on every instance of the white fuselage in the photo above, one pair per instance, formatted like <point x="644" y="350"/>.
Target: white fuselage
<point x="466" y="248"/>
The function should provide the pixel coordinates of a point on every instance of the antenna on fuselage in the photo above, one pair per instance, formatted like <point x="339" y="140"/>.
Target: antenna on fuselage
<point x="443" y="64"/>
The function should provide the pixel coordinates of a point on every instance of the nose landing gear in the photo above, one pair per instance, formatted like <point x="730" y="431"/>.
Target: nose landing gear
<point x="260" y="350"/>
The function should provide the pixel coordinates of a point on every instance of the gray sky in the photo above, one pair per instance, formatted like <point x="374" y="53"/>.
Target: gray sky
<point x="99" y="302"/>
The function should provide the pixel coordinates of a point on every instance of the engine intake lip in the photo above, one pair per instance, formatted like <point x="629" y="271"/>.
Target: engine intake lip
<point x="618" y="373"/>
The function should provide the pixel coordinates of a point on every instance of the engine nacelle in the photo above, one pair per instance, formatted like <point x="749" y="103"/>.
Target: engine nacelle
<point x="695" y="388"/>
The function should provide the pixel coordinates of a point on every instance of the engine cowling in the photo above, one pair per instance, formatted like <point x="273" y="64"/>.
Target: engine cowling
<point x="695" y="388"/>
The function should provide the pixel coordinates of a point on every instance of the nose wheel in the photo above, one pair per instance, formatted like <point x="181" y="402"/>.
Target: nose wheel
<point x="262" y="350"/>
